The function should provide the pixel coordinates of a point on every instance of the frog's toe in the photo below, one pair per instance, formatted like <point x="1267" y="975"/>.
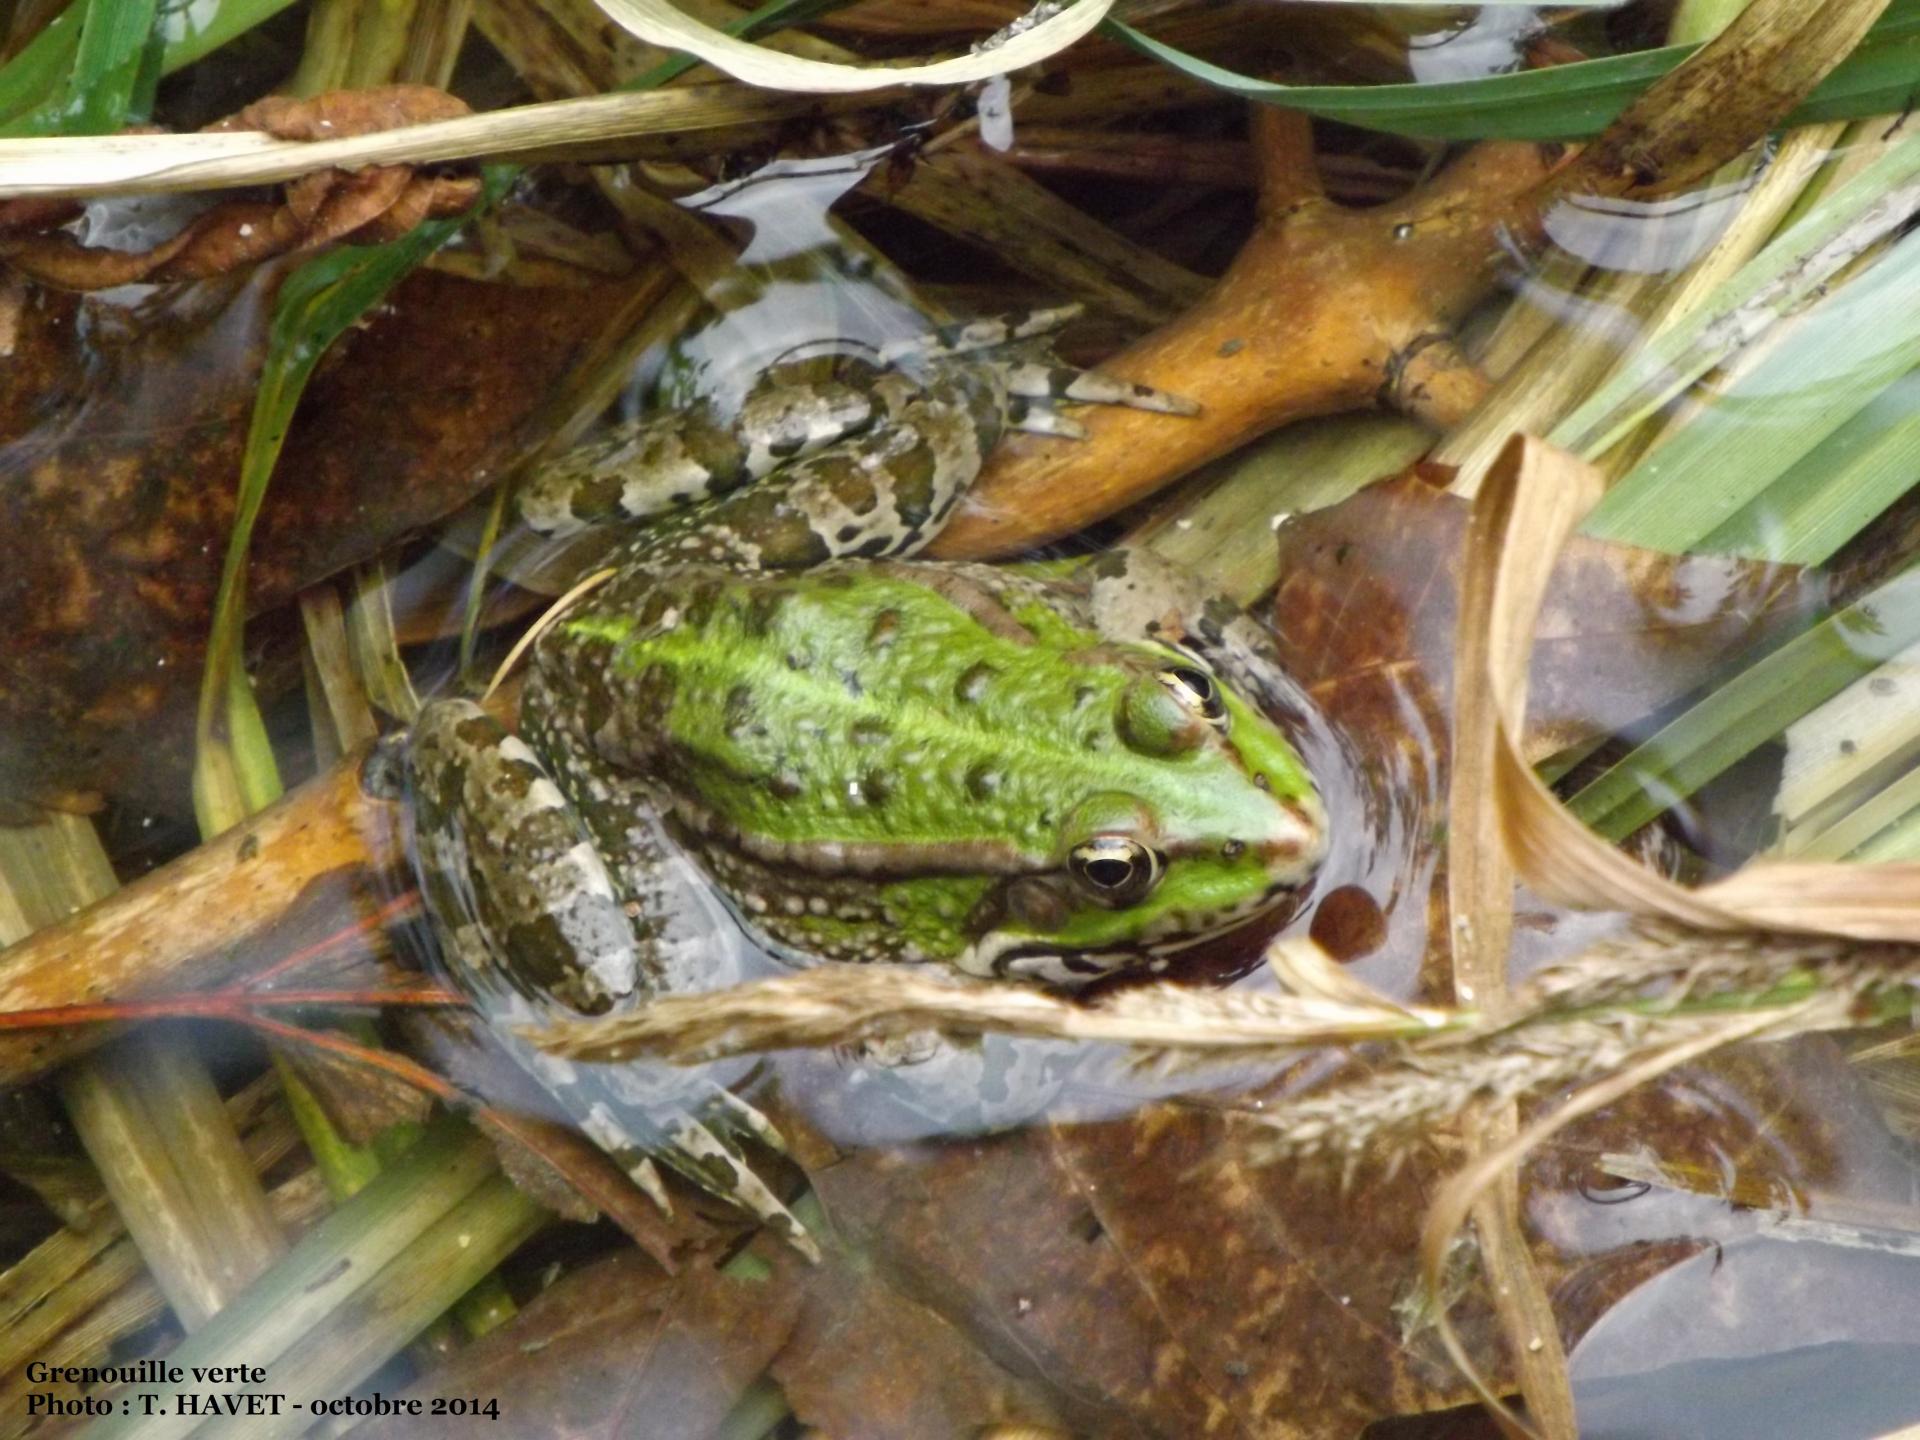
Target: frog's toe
<point x="604" y="1128"/>
<point x="1039" y="380"/>
<point x="1039" y="420"/>
<point x="703" y="1150"/>
<point x="726" y="1110"/>
<point x="986" y="334"/>
<point x="709" y="1158"/>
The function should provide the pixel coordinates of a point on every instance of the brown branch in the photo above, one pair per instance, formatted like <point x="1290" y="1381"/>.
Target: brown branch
<point x="327" y="849"/>
<point x="1316" y="311"/>
<point x="1327" y="310"/>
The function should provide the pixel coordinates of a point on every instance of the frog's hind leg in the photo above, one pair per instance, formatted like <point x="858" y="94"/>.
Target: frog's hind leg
<point x="665" y="462"/>
<point x="533" y="926"/>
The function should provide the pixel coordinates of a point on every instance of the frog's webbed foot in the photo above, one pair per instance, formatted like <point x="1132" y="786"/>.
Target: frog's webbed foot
<point x="531" y="926"/>
<point x="702" y="1144"/>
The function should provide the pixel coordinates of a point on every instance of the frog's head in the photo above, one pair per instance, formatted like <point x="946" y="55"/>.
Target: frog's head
<point x="1218" y="822"/>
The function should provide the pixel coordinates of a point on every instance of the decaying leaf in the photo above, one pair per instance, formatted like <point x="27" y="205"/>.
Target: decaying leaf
<point x="120" y="437"/>
<point x="367" y="206"/>
<point x="617" y="1349"/>
<point x="1622" y="633"/>
<point x="866" y="1359"/>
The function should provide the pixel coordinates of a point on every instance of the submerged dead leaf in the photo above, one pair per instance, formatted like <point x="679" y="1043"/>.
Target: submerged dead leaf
<point x="1525" y="523"/>
<point x="617" y="1349"/>
<point x="120" y="437"/>
<point x="869" y="1361"/>
<point x="1372" y="584"/>
<point x="1154" y="1283"/>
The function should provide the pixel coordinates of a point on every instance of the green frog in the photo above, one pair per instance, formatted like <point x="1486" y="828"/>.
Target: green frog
<point x="1019" y="772"/>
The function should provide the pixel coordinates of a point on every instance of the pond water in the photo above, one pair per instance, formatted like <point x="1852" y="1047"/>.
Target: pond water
<point x="1192" y="766"/>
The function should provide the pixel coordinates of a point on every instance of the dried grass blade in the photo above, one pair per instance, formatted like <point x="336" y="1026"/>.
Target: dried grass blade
<point x="1464" y="1190"/>
<point x="836" y="1004"/>
<point x="662" y="24"/>
<point x="1480" y="910"/>
<point x="150" y="164"/>
<point x="1535" y="496"/>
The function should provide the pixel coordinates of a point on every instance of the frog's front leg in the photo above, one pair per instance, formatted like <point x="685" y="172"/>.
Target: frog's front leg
<point x="523" y="903"/>
<point x="531" y="912"/>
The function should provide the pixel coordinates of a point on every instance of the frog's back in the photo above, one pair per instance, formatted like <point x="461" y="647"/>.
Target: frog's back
<point x="880" y="718"/>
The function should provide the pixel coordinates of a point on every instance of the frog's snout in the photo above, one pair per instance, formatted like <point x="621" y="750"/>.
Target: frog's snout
<point x="1295" y="842"/>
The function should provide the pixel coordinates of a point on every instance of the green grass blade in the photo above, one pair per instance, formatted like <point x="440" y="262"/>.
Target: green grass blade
<point x="110" y="50"/>
<point x="332" y="1262"/>
<point x="42" y="67"/>
<point x="1823" y="500"/>
<point x="176" y="36"/>
<point x="317" y="303"/>
<point x="1784" y="277"/>
<point x="1752" y="708"/>
<point x="1824" y="370"/>
<point x="1563" y="102"/>
<point x="193" y="30"/>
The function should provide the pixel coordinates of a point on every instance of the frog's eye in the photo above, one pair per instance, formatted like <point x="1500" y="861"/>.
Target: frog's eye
<point x="1196" y="690"/>
<point x="1114" y="869"/>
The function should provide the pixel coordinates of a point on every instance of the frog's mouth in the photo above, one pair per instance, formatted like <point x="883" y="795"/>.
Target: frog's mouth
<point x="1005" y="954"/>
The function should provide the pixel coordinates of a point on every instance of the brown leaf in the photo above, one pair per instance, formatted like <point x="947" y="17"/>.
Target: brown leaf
<point x="1152" y="1282"/>
<point x="867" y="1362"/>
<point x="379" y="203"/>
<point x="615" y="1350"/>
<point x="1156" y="1285"/>
<point x="120" y="439"/>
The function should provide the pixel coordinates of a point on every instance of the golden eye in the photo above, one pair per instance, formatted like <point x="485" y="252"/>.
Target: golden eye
<point x="1196" y="690"/>
<point x="1114" y="869"/>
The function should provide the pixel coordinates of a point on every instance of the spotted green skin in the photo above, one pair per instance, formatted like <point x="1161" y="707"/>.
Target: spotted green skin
<point x="892" y="761"/>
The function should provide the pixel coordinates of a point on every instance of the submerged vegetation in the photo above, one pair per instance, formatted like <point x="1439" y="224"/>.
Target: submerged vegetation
<point x="1636" y="294"/>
